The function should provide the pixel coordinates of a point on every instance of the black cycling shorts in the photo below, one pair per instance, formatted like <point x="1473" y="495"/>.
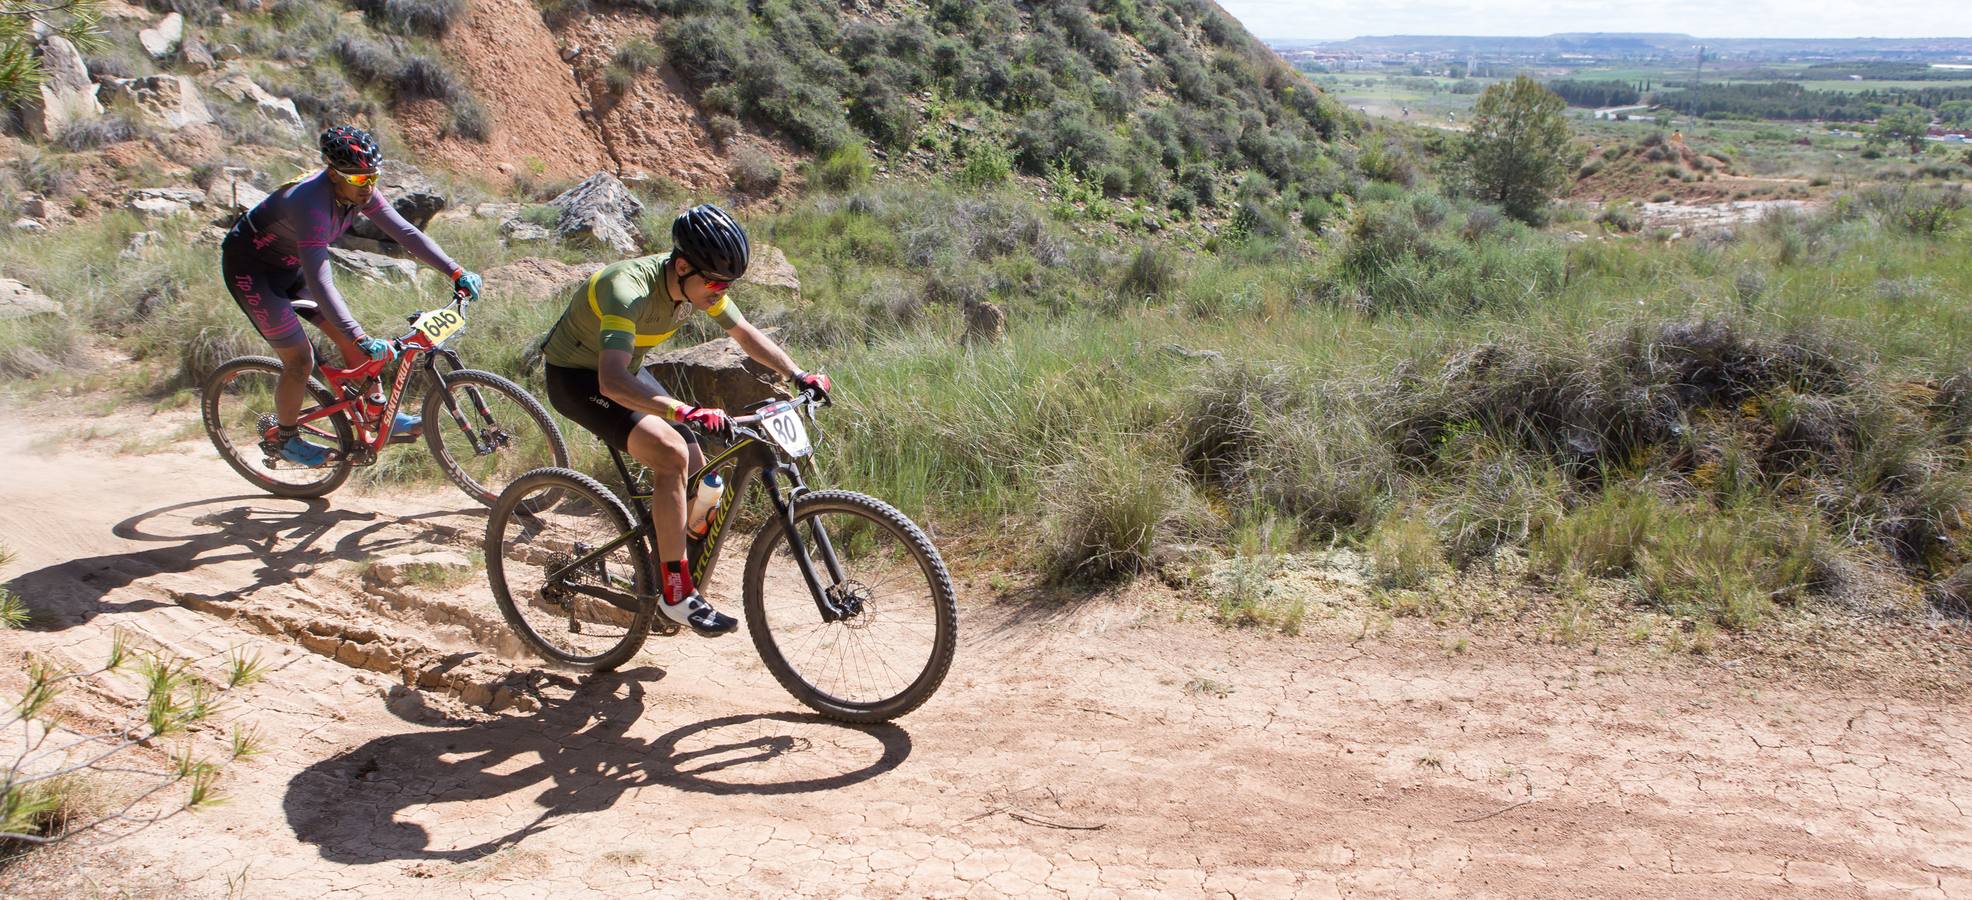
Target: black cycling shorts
<point x="578" y="394"/>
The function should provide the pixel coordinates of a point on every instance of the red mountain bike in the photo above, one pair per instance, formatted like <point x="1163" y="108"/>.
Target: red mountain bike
<point x="483" y="429"/>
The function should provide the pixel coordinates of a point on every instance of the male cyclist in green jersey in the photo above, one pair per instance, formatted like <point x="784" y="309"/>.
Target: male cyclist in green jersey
<point x="595" y="376"/>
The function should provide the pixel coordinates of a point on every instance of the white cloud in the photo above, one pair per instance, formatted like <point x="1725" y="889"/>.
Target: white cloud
<point x="1332" y="19"/>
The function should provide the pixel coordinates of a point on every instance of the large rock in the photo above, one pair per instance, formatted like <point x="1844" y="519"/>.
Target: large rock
<point x="234" y="190"/>
<point x="277" y="113"/>
<point x="414" y="196"/>
<point x="161" y="203"/>
<point x="374" y="266"/>
<point x="167" y="102"/>
<point x="600" y="211"/>
<point x="162" y="40"/>
<point x="66" y="95"/>
<point x="717" y="373"/>
<point x="533" y="278"/>
<point x="523" y="231"/>
<point x="197" y="56"/>
<point x="769" y="275"/>
<point x="18" y="301"/>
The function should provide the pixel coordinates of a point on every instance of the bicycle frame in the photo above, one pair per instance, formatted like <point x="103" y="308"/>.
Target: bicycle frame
<point x="751" y="456"/>
<point x="370" y="422"/>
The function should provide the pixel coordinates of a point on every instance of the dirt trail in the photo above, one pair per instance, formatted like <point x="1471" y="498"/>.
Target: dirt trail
<point x="1094" y="751"/>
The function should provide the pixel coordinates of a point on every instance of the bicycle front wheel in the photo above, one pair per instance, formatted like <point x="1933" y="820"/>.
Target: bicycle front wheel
<point x="237" y="405"/>
<point x="572" y="604"/>
<point x="485" y="430"/>
<point x="892" y="647"/>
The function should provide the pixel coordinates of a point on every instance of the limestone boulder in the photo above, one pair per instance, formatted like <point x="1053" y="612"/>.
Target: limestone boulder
<point x="162" y="40"/>
<point x="276" y="113"/>
<point x="717" y="373"/>
<point x="234" y="189"/>
<point x="66" y="96"/>
<point x="18" y="301"/>
<point x="163" y="203"/>
<point x="523" y="231"/>
<point x="164" y="102"/>
<point x="533" y="278"/>
<point x="601" y="211"/>
<point x="769" y="276"/>
<point x="197" y="56"/>
<point x="374" y="266"/>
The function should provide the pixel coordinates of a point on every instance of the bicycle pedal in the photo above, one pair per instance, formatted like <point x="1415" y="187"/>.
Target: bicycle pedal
<point x="663" y="627"/>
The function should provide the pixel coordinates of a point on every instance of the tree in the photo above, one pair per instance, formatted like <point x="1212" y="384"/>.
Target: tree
<point x="1905" y="125"/>
<point x="20" y="68"/>
<point x="1517" y="151"/>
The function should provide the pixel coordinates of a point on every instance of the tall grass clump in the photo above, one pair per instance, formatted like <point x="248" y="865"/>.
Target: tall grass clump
<point x="1404" y="258"/>
<point x="1109" y="507"/>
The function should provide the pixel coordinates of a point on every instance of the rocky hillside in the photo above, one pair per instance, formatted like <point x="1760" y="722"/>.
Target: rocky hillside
<point x="1167" y="105"/>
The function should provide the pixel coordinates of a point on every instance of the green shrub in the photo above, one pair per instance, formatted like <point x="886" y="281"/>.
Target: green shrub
<point x="1404" y="552"/>
<point x="1107" y="511"/>
<point x="631" y="61"/>
<point x="1153" y="272"/>
<point x="846" y="169"/>
<point x="432" y="18"/>
<point x="754" y="172"/>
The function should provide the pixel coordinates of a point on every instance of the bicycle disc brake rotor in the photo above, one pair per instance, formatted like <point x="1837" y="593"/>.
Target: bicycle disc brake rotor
<point x="853" y="598"/>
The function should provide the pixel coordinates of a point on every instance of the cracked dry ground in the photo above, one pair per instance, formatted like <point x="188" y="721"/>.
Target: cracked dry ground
<point x="1097" y="751"/>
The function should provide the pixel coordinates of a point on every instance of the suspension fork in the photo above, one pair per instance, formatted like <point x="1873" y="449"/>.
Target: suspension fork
<point x="784" y="506"/>
<point x="479" y="406"/>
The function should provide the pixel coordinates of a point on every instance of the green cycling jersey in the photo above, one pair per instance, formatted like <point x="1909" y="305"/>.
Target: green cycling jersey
<point x="624" y="306"/>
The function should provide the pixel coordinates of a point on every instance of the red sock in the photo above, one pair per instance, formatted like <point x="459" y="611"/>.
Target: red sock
<point x="677" y="583"/>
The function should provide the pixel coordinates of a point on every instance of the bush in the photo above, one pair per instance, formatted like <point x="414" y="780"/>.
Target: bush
<point x="1153" y="273"/>
<point x="432" y="18"/>
<point x="986" y="164"/>
<point x="754" y="172"/>
<point x="425" y="78"/>
<point x="1404" y="552"/>
<point x="1107" y="511"/>
<point x="97" y="133"/>
<point x="631" y="61"/>
<point x="845" y="169"/>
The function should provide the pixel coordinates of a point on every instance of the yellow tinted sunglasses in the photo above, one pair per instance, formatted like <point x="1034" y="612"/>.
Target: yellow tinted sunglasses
<point x="356" y="179"/>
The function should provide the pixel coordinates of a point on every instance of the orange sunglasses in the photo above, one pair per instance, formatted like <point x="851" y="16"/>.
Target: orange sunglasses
<point x="356" y="179"/>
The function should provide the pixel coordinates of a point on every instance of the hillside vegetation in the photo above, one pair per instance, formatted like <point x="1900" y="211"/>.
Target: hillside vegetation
<point x="1341" y="361"/>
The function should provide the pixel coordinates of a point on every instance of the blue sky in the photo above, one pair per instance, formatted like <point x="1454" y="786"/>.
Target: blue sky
<point x="1334" y="19"/>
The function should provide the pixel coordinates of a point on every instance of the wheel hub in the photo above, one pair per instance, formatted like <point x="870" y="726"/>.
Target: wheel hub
<point x="853" y="599"/>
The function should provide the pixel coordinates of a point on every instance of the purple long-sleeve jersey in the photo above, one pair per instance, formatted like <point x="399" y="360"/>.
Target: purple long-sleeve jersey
<point x="294" y="226"/>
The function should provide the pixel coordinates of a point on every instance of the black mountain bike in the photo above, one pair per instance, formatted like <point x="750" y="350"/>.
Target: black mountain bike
<point x="847" y="601"/>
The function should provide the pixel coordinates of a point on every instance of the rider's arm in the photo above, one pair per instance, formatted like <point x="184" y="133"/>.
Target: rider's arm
<point x="634" y="389"/>
<point x="408" y="236"/>
<point x="312" y="245"/>
<point x="756" y="343"/>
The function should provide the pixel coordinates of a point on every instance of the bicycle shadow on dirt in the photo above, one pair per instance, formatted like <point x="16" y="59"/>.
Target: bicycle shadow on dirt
<point x="286" y="537"/>
<point x="575" y="756"/>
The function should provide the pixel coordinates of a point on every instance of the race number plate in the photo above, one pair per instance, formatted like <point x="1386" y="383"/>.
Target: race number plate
<point x="786" y="429"/>
<point x="440" y="324"/>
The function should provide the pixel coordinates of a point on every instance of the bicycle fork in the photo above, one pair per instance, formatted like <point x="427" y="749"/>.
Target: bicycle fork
<point x="492" y="438"/>
<point x="825" y="602"/>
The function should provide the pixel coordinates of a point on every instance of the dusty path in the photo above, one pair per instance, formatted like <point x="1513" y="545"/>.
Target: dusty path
<point x="1097" y="751"/>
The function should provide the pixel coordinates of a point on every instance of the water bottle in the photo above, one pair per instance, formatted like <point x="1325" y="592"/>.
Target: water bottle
<point x="698" y="517"/>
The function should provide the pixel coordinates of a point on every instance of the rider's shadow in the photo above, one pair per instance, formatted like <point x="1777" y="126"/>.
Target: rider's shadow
<point x="370" y="804"/>
<point x="286" y="537"/>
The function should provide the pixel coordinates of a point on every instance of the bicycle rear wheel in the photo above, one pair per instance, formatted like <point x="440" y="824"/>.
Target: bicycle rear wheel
<point x="237" y="405"/>
<point x="890" y="652"/>
<point x="593" y="616"/>
<point x="485" y="430"/>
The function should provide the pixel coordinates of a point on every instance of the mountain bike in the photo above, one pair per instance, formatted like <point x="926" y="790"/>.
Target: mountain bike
<point x="846" y="600"/>
<point x="482" y="428"/>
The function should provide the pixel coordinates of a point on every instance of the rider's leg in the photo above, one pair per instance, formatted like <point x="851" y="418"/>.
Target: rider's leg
<point x="297" y="362"/>
<point x="662" y="448"/>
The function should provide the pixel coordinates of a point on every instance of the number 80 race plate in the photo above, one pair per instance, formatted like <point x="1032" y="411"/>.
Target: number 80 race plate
<point x="786" y="429"/>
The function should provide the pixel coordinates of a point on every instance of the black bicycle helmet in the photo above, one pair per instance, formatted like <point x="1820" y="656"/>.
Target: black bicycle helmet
<point x="351" y="149"/>
<point x="711" y="242"/>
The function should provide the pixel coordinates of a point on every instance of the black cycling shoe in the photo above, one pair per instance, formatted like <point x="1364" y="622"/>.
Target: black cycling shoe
<point x="698" y="615"/>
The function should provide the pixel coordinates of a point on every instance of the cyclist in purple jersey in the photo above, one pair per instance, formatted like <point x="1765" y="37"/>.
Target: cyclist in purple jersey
<point x="276" y="265"/>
